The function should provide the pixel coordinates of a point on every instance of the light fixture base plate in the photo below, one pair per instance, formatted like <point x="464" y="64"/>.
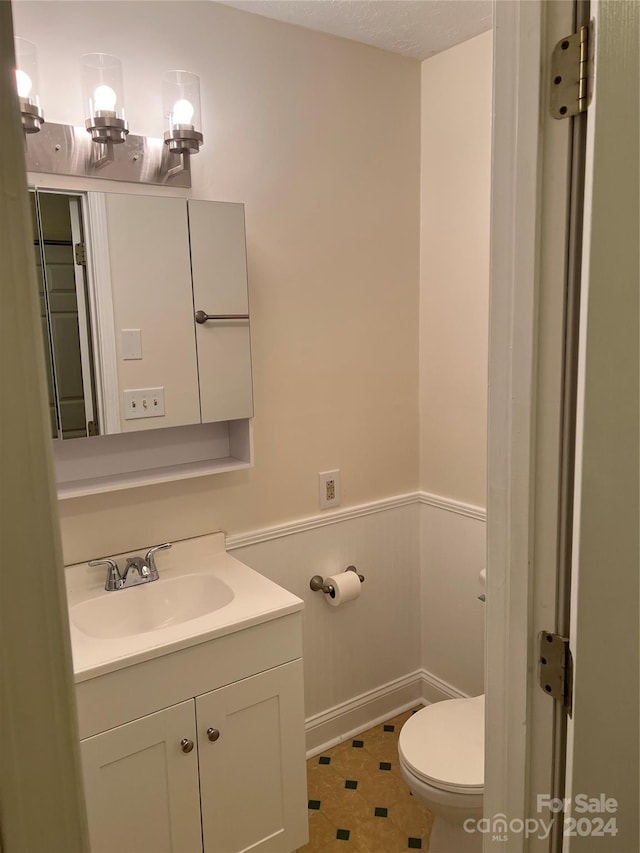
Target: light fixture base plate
<point x="60" y="149"/>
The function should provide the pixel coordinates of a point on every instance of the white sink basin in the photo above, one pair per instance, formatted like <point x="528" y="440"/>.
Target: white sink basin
<point x="202" y="593"/>
<point x="151" y="606"/>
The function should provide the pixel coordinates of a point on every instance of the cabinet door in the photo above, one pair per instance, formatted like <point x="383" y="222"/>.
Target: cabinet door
<point x="141" y="789"/>
<point x="219" y="270"/>
<point x="252" y="778"/>
<point x="147" y="250"/>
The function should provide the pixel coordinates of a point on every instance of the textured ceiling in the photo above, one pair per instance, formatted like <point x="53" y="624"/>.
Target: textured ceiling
<point x="417" y="28"/>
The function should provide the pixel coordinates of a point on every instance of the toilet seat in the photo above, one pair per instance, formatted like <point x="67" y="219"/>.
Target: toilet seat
<point x="443" y="745"/>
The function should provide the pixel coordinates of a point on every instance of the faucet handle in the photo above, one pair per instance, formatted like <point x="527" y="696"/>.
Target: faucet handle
<point x="150" y="556"/>
<point x="114" y="580"/>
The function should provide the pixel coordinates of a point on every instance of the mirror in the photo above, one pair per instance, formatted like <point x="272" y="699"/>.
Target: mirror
<point x="121" y="280"/>
<point x="62" y="287"/>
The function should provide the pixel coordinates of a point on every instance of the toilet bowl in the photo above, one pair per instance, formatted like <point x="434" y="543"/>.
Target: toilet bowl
<point x="441" y="752"/>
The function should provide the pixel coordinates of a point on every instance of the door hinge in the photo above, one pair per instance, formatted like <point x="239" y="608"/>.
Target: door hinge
<point x="80" y="254"/>
<point x="555" y="668"/>
<point x="92" y="427"/>
<point x="572" y="74"/>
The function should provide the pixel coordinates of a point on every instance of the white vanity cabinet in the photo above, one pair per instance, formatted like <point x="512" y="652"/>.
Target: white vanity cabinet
<point x="221" y="771"/>
<point x="252" y="784"/>
<point x="141" y="788"/>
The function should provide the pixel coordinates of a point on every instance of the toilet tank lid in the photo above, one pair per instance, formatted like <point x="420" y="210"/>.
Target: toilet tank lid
<point x="444" y="743"/>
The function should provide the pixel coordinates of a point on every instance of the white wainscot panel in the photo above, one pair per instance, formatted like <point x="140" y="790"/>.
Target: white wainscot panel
<point x="453" y="552"/>
<point x="363" y="656"/>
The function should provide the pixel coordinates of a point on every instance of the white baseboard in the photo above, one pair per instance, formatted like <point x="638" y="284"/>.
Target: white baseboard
<point x="434" y="689"/>
<point x="347" y="719"/>
<point x="336" y="724"/>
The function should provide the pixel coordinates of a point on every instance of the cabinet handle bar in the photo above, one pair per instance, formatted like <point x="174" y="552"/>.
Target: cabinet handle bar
<point x="202" y="317"/>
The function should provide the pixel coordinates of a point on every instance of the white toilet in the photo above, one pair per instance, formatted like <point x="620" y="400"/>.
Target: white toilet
<point x="441" y="751"/>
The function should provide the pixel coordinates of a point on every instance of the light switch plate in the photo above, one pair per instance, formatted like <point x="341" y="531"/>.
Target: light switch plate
<point x="131" y="344"/>
<point x="143" y="403"/>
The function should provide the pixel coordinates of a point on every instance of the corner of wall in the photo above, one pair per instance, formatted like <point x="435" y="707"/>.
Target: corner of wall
<point x="454" y="268"/>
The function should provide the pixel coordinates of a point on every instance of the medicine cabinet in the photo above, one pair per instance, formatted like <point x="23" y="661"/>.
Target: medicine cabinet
<point x="122" y="279"/>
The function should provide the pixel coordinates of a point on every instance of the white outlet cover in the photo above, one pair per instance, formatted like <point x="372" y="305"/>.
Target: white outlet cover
<point x="131" y="344"/>
<point x="325" y="478"/>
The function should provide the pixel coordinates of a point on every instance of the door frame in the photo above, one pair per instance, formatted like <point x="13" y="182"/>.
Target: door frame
<point x="530" y="270"/>
<point x="43" y="800"/>
<point x="603" y="750"/>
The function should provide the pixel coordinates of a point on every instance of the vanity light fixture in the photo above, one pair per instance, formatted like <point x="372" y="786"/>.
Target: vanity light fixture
<point x="181" y="106"/>
<point x="102" y="90"/>
<point x="27" y="85"/>
<point x="66" y="150"/>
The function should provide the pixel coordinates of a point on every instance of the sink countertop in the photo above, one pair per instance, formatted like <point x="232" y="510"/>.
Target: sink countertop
<point x="256" y="600"/>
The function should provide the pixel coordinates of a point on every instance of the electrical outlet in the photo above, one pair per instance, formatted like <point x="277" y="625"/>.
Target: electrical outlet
<point x="329" y="482"/>
<point x="143" y="403"/>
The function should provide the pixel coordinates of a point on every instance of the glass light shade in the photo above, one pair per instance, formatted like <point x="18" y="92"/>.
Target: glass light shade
<point x="102" y="87"/>
<point x="103" y="95"/>
<point x="181" y="108"/>
<point x="27" y="85"/>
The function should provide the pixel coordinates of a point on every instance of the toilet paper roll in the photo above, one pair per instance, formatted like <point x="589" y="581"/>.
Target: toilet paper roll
<point x="346" y="587"/>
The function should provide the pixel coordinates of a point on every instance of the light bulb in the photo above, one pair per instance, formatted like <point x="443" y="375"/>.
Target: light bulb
<point x="182" y="112"/>
<point x="23" y="83"/>
<point x="104" y="99"/>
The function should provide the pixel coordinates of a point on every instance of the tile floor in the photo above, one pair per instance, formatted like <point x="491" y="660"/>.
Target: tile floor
<point x="358" y="801"/>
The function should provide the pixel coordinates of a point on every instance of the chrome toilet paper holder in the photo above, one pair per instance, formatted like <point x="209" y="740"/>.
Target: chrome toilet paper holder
<point x="317" y="583"/>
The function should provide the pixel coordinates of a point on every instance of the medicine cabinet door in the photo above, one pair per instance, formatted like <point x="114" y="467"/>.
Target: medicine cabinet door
<point x="219" y="269"/>
<point x="146" y="251"/>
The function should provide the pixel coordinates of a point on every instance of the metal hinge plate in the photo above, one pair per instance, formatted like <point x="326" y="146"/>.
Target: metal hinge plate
<point x="92" y="428"/>
<point x="555" y="668"/>
<point x="80" y="254"/>
<point x="571" y="74"/>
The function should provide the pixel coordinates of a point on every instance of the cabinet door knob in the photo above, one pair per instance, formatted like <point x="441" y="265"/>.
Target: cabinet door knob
<point x="186" y="744"/>
<point x="213" y="735"/>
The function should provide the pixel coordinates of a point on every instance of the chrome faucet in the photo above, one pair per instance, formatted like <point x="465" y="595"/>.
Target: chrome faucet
<point x="137" y="570"/>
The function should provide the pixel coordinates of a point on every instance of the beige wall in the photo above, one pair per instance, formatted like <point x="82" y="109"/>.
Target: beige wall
<point x="454" y="275"/>
<point x="320" y="138"/>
